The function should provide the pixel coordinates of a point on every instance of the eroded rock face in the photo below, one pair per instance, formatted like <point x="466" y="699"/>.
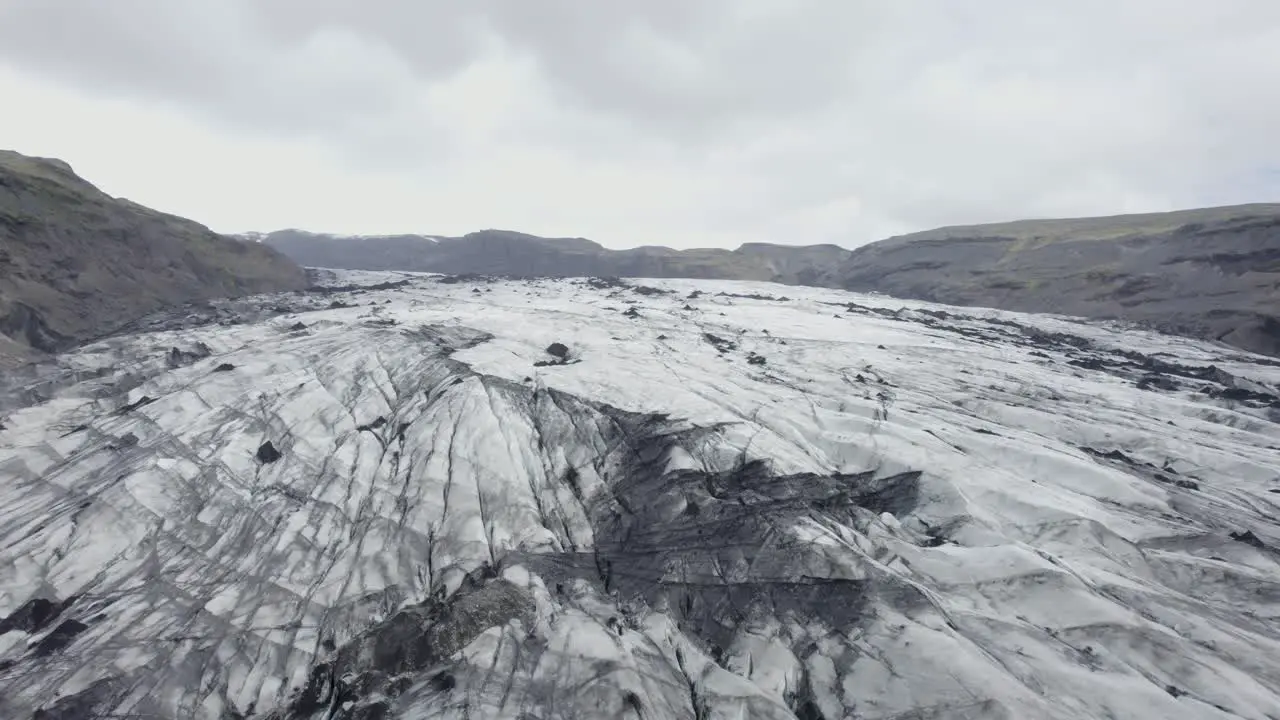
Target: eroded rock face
<point x="908" y="511"/>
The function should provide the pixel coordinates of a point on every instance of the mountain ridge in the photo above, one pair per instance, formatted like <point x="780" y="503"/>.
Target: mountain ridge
<point x="76" y="262"/>
<point x="1211" y="273"/>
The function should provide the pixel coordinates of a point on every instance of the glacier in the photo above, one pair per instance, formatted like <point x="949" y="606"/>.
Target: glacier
<point x="415" y="496"/>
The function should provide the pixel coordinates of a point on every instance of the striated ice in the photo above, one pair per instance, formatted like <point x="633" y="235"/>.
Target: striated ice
<point x="828" y="506"/>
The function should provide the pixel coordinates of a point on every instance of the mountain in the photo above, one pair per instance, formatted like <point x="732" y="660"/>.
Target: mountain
<point x="1212" y="273"/>
<point x="502" y="252"/>
<point x="75" y="262"/>
<point x="402" y="496"/>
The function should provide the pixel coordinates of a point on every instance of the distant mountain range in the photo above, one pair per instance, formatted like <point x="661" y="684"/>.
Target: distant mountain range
<point x="1211" y="273"/>
<point x="502" y="252"/>
<point x="76" y="263"/>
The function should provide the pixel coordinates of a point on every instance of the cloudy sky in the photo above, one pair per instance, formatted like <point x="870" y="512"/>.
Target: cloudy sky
<point x="676" y="122"/>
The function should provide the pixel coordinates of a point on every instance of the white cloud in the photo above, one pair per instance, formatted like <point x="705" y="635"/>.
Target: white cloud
<point x="666" y="122"/>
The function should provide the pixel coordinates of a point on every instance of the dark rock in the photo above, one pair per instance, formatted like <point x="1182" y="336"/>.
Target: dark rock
<point x="1179" y="482"/>
<point x="1090" y="363"/>
<point x="34" y="615"/>
<point x="82" y="705"/>
<point x="178" y="357"/>
<point x="381" y="663"/>
<point x="338" y="305"/>
<point x="124" y="442"/>
<point x="376" y="710"/>
<point x="26" y="325"/>
<point x="649" y="291"/>
<point x="693" y="295"/>
<point x="443" y="682"/>
<point x="462" y="278"/>
<point x="74" y="430"/>
<point x="719" y="343"/>
<point x="631" y="312"/>
<point x="559" y="350"/>
<point x="297" y="326"/>
<point x="62" y="636"/>
<point x="316" y="693"/>
<point x="754" y="359"/>
<point x="224" y="367"/>
<point x="1157" y="382"/>
<point x="377" y="423"/>
<point x="605" y="283"/>
<point x="1248" y="538"/>
<point x="267" y="453"/>
<point x="144" y="400"/>
<point x="1240" y="391"/>
<point x="1110" y="455"/>
<point x="754" y="296"/>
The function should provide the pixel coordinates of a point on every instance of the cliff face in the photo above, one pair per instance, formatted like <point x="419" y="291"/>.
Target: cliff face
<point x="75" y="262"/>
<point x="1212" y="273"/>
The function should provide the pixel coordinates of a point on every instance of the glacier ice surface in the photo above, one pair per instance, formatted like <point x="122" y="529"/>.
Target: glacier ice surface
<point x="708" y="500"/>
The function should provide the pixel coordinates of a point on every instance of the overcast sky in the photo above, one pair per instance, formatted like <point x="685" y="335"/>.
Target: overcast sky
<point x="675" y="122"/>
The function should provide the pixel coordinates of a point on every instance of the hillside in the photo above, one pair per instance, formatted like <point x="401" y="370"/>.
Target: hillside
<point x="76" y="263"/>
<point x="413" y="498"/>
<point x="1211" y="273"/>
<point x="502" y="252"/>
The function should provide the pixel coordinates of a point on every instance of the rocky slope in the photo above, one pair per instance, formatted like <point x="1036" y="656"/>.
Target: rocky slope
<point x="1212" y="273"/>
<point x="501" y="252"/>
<point x="421" y="497"/>
<point x="75" y="262"/>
